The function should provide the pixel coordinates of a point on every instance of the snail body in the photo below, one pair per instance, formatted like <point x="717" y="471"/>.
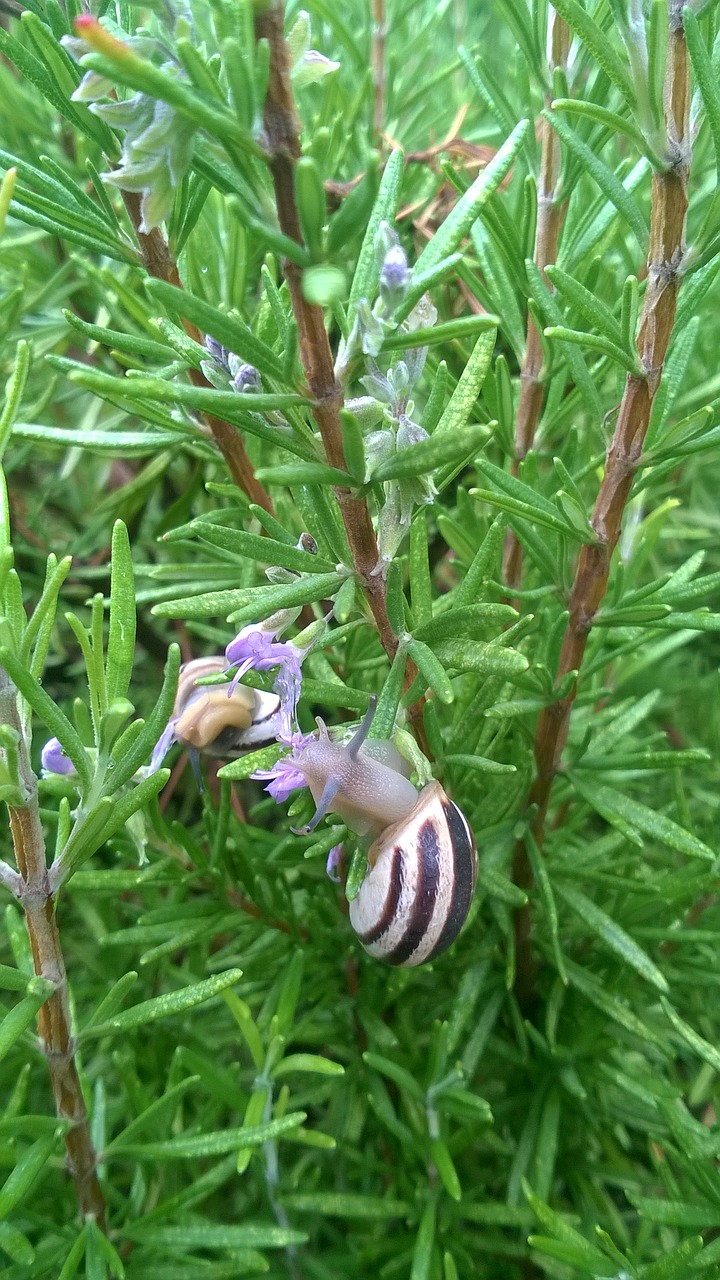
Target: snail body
<point x="422" y="864"/>
<point x="211" y="719"/>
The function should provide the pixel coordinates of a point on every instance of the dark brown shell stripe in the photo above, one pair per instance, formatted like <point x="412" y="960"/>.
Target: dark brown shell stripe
<point x="440" y="882"/>
<point x="428" y="887"/>
<point x="391" y="902"/>
<point x="465" y="860"/>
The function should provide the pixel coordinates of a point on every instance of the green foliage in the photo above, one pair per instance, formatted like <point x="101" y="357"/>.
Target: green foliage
<point x="265" y="1099"/>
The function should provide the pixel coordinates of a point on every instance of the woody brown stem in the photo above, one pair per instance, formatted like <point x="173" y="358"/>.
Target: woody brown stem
<point x="159" y="262"/>
<point x="282" y="142"/>
<point x="54" y="1026"/>
<point x="377" y="62"/>
<point x="667" y="243"/>
<point x="550" y="217"/>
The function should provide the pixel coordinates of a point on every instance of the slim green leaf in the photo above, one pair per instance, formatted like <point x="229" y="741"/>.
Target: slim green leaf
<point x="697" y="1043"/>
<point x="14" y="390"/>
<point x="20" y="1017"/>
<point x="121" y="637"/>
<point x="462" y="401"/>
<point x="608" y="120"/>
<point x="596" y="342"/>
<point x="419" y="459"/>
<point x="225" y="328"/>
<point x="50" y="714"/>
<point x="355" y="1207"/>
<point x="472" y="620"/>
<point x="613" y="935"/>
<point x="424" y="1241"/>
<point x="612" y="804"/>
<point x="255" y="605"/>
<point x="610" y="185"/>
<point x="215" y="1235"/>
<point x="547" y="897"/>
<point x="29" y="1165"/>
<point x="458" y="223"/>
<point x="552" y="315"/>
<point x="677" y="1262"/>
<point x="116" y="444"/>
<point x="306" y="1063"/>
<point x="483" y="659"/>
<point x="601" y="47"/>
<point x="584" y="1253"/>
<point x="398" y="1074"/>
<point x="676" y="1213"/>
<point x="165" y="1006"/>
<point x="591" y="307"/>
<point x="451" y="331"/>
<point x="265" y="550"/>
<point x="203" y="1145"/>
<point x="317" y="473"/>
<point x="432" y="670"/>
<point x="519" y="499"/>
<point x="367" y="271"/>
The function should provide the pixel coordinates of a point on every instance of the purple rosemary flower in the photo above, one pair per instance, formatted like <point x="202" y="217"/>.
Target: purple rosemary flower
<point x="282" y="779"/>
<point x="284" y="776"/>
<point x="53" y="758"/>
<point x="255" y="648"/>
<point x="166" y="740"/>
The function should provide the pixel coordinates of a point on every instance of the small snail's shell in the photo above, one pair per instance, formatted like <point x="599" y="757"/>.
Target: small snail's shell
<point x="417" y="892"/>
<point x="211" y="719"/>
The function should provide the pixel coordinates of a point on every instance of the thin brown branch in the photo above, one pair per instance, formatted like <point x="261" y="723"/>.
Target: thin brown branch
<point x="282" y="141"/>
<point x="550" y="217"/>
<point x="667" y="243"/>
<point x="54" y="1025"/>
<point x="377" y="62"/>
<point x="159" y="262"/>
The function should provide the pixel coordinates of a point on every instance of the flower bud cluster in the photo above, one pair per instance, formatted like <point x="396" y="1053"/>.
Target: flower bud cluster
<point x="244" y="378"/>
<point x="158" y="141"/>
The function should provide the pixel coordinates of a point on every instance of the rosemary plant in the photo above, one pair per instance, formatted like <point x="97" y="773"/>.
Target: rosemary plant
<point x="368" y="352"/>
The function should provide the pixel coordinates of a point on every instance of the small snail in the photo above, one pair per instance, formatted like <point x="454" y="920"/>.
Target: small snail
<point x="422" y="869"/>
<point x="209" y="718"/>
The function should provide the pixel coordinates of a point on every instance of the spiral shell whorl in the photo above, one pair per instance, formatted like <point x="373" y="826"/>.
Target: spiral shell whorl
<point x="416" y="895"/>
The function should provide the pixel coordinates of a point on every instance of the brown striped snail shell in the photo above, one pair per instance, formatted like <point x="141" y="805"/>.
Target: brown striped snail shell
<point x="210" y="719"/>
<point x="420" y="882"/>
<point x="422" y="864"/>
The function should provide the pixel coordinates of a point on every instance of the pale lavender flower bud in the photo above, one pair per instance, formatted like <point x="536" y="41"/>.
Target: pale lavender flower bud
<point x="54" y="760"/>
<point x="394" y="276"/>
<point x="218" y="352"/>
<point x="247" y="379"/>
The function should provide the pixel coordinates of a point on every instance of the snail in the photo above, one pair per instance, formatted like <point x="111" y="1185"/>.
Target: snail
<point x="422" y="863"/>
<point x="209" y="718"/>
